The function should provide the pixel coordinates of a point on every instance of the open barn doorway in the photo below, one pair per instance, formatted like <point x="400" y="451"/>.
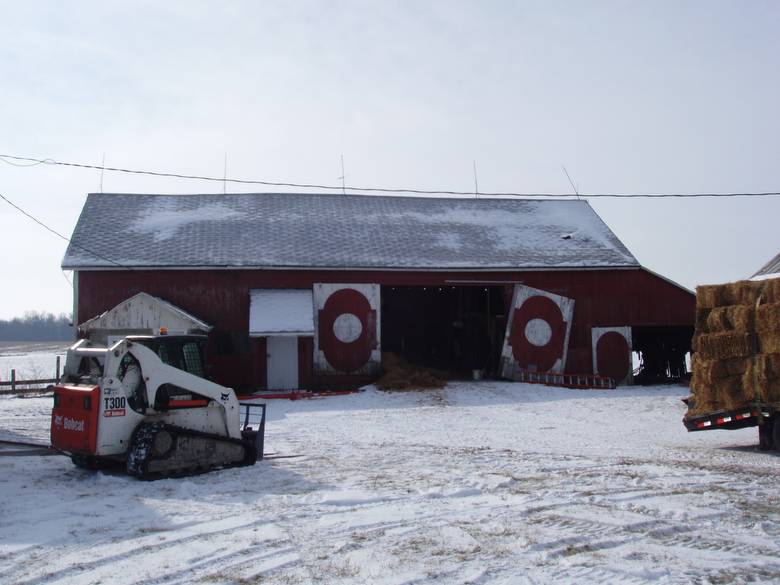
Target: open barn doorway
<point x="456" y="329"/>
<point x="664" y="354"/>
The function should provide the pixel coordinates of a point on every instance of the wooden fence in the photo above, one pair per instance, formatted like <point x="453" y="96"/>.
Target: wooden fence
<point x="14" y="386"/>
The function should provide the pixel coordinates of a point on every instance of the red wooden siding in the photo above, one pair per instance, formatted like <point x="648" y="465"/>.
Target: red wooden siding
<point x="221" y="298"/>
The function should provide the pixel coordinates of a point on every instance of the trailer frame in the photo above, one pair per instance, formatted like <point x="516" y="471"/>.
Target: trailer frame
<point x="760" y="414"/>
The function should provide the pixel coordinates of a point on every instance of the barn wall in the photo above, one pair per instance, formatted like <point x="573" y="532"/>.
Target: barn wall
<point x="607" y="298"/>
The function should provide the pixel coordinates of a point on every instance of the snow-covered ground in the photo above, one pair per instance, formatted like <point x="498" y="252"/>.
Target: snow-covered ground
<point x="31" y="360"/>
<point x="481" y="482"/>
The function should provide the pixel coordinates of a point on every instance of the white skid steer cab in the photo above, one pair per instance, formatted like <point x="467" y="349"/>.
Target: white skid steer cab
<point x="145" y="402"/>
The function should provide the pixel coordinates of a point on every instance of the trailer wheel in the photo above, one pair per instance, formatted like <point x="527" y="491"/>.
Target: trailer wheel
<point x="766" y="441"/>
<point x="775" y="432"/>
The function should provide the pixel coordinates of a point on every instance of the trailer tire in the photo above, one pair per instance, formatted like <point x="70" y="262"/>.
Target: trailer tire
<point x="775" y="432"/>
<point x="766" y="441"/>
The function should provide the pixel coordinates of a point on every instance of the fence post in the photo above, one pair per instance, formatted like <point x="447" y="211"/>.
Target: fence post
<point x="13" y="380"/>
<point x="57" y="372"/>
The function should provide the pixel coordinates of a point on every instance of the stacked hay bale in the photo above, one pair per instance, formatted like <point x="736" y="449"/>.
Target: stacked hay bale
<point x="736" y="345"/>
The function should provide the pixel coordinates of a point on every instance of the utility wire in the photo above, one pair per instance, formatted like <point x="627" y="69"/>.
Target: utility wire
<point x="32" y="164"/>
<point x="35" y="161"/>
<point x="59" y="235"/>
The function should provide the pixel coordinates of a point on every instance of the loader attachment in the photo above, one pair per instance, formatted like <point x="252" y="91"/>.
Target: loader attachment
<point x="253" y="425"/>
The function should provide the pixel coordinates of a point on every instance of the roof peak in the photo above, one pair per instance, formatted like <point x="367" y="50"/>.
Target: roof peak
<point x="478" y="198"/>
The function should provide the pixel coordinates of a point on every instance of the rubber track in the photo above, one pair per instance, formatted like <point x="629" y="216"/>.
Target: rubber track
<point x="141" y="452"/>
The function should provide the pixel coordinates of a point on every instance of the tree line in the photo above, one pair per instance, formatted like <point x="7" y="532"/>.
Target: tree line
<point x="37" y="326"/>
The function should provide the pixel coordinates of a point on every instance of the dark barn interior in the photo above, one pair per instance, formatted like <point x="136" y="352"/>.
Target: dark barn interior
<point x="456" y="329"/>
<point x="662" y="353"/>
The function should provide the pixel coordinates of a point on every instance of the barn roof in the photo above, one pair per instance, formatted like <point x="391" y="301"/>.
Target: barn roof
<point x="288" y="230"/>
<point x="771" y="268"/>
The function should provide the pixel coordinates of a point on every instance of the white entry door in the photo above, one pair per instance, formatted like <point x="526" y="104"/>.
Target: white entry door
<point x="282" y="363"/>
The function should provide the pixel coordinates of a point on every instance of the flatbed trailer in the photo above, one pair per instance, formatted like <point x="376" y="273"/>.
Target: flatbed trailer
<point x="736" y="360"/>
<point x="764" y="416"/>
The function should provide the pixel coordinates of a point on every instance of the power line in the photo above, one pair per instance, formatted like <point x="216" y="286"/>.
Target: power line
<point x="32" y="164"/>
<point x="7" y="158"/>
<point x="59" y="235"/>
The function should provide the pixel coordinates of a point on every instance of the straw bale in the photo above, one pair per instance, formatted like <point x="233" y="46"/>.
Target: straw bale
<point x="718" y="320"/>
<point x="770" y="391"/>
<point x="742" y="317"/>
<point x="701" y="406"/>
<point x="730" y="294"/>
<point x="768" y="367"/>
<point x="723" y="394"/>
<point x="709" y="296"/>
<point x="747" y="292"/>
<point x="708" y="371"/>
<point x="723" y="345"/>
<point x="743" y="292"/>
<point x="734" y="392"/>
<point x="702" y="391"/>
<point x="768" y="318"/>
<point x="751" y="387"/>
<point x="701" y="320"/>
<point x="733" y="318"/>
<point x="769" y="341"/>
<point x="765" y="385"/>
<point x="771" y="290"/>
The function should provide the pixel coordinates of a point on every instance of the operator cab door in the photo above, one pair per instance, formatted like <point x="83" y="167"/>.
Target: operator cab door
<point x="282" y="363"/>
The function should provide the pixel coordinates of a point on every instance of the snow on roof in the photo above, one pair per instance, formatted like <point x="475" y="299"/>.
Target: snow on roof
<point x="289" y="230"/>
<point x="770" y="270"/>
<point x="766" y="276"/>
<point x="164" y="220"/>
<point x="281" y="311"/>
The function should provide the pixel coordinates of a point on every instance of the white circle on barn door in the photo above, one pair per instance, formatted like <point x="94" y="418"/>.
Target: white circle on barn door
<point x="538" y="332"/>
<point x="347" y="328"/>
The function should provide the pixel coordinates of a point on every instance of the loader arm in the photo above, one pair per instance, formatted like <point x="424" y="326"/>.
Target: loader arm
<point x="155" y="373"/>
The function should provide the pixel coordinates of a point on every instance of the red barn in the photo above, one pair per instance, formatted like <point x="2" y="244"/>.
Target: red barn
<point x="308" y="290"/>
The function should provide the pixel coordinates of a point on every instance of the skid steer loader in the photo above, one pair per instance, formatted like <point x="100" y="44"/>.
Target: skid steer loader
<point x="145" y="402"/>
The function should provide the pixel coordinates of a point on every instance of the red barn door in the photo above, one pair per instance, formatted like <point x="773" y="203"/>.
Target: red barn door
<point x="612" y="353"/>
<point x="537" y="332"/>
<point x="346" y="327"/>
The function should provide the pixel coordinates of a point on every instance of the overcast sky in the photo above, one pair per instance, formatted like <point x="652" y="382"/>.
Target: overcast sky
<point x="632" y="97"/>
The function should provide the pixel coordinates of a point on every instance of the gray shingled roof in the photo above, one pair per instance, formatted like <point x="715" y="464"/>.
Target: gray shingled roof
<point x="771" y="267"/>
<point x="340" y="231"/>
